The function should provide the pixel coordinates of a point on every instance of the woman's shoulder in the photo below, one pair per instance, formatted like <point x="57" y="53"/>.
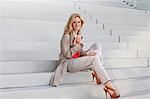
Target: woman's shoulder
<point x="65" y="36"/>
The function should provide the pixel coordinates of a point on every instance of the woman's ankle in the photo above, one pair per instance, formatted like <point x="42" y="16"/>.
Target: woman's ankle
<point x="109" y="84"/>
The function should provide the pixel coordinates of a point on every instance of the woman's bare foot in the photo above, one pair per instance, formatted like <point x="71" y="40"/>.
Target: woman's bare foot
<point x="109" y="88"/>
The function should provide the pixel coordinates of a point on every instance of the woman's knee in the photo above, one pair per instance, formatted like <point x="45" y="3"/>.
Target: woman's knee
<point x="98" y="45"/>
<point x="96" y="60"/>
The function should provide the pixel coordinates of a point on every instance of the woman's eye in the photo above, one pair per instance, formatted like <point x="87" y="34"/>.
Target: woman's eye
<point x="78" y="21"/>
<point x="74" y="22"/>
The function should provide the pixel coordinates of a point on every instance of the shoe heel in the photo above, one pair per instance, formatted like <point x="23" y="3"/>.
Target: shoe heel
<point x="93" y="76"/>
<point x="105" y="93"/>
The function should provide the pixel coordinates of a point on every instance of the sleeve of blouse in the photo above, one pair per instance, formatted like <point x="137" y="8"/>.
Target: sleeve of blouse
<point x="65" y="45"/>
<point x="76" y="48"/>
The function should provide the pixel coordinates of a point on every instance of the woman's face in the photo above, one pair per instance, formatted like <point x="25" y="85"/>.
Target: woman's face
<point x="76" y="24"/>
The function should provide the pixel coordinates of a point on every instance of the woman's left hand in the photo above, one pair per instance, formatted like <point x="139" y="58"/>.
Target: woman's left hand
<point x="91" y="53"/>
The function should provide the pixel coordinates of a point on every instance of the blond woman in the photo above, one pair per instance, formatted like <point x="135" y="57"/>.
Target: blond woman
<point x="73" y="58"/>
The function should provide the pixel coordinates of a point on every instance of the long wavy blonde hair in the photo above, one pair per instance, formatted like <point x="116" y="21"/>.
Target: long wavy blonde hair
<point x="68" y="28"/>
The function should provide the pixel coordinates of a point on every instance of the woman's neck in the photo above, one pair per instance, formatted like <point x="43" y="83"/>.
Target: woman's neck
<point x="75" y="32"/>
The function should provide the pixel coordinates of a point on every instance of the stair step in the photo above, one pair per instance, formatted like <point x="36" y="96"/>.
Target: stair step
<point x="54" y="54"/>
<point x="49" y="66"/>
<point x="50" y="37"/>
<point x="139" y="95"/>
<point x="129" y="62"/>
<point x="128" y="88"/>
<point x="46" y="92"/>
<point x="143" y="53"/>
<point x="38" y="10"/>
<point x="134" y="38"/>
<point x="45" y="45"/>
<point x="132" y="89"/>
<point x="40" y="79"/>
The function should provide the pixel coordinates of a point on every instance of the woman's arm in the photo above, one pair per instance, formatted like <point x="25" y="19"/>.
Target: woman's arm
<point x="65" y="46"/>
<point x="88" y="53"/>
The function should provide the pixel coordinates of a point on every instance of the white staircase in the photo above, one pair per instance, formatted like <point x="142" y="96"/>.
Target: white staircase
<point x="30" y="34"/>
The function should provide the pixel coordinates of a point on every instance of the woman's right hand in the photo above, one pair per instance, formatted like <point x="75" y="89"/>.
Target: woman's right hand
<point x="77" y="40"/>
<point x="91" y="53"/>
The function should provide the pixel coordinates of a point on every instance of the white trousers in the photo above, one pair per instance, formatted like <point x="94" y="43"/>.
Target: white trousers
<point x="94" y="62"/>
